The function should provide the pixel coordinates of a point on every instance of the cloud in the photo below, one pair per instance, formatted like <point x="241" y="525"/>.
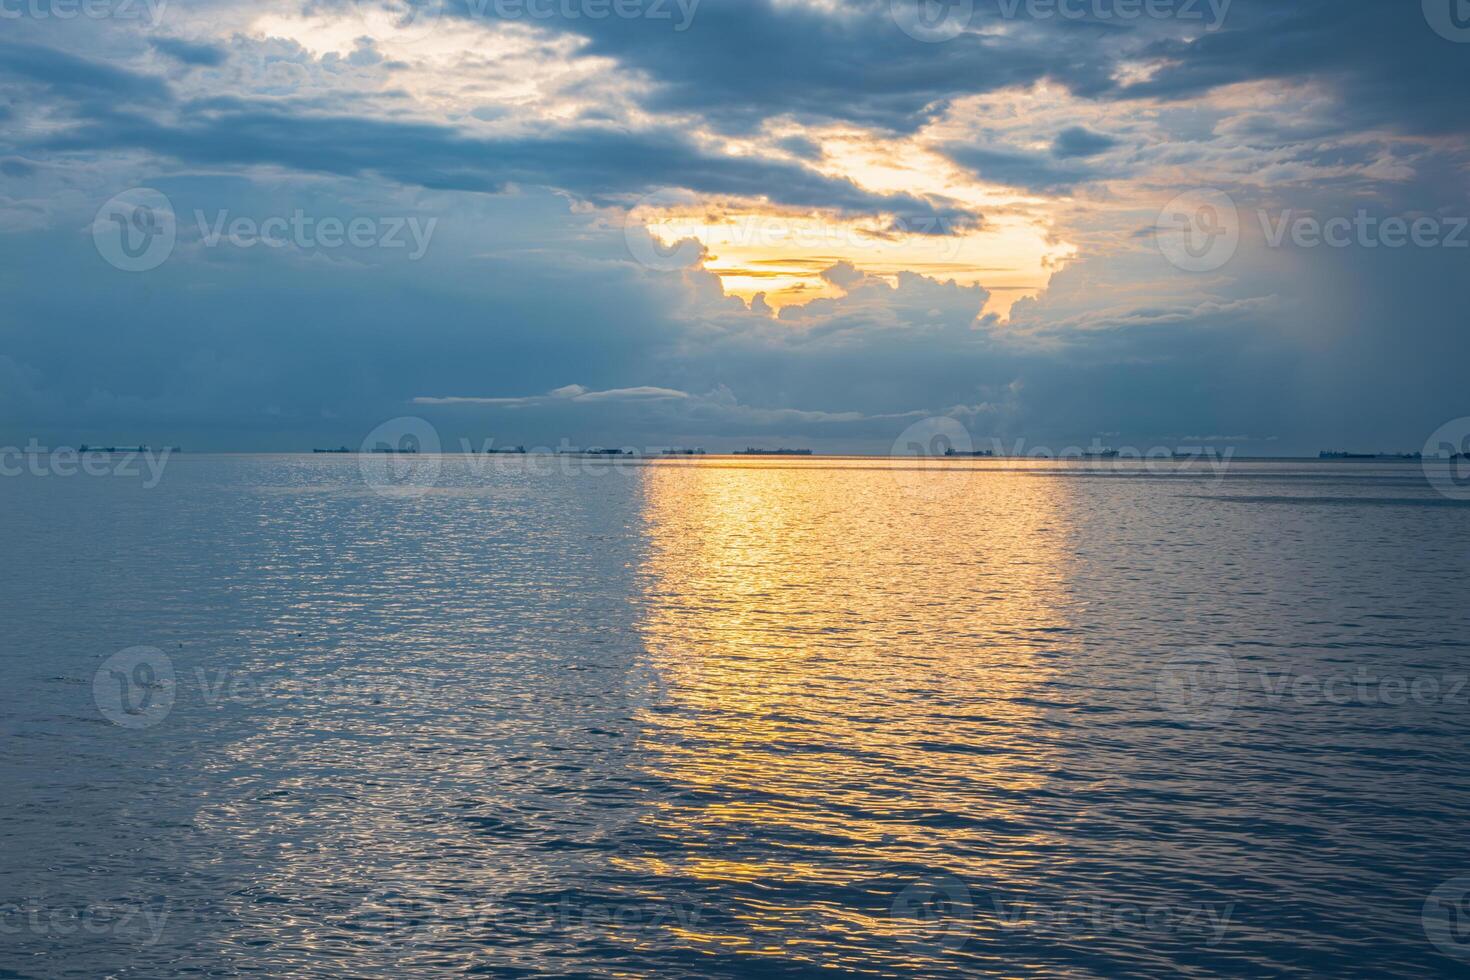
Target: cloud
<point x="1387" y="68"/>
<point x="716" y="410"/>
<point x="571" y="393"/>
<point x="190" y="52"/>
<point x="1077" y="141"/>
<point x="83" y="80"/>
<point x="603" y="165"/>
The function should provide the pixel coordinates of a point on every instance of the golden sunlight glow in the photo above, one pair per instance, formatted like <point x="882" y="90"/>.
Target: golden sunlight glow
<point x="773" y="613"/>
<point x="782" y="255"/>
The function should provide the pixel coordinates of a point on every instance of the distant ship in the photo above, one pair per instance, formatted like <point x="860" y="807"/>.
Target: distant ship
<point x="751" y="451"/>
<point x="977" y="454"/>
<point x="596" y="452"/>
<point x="517" y="451"/>
<point x="683" y="452"/>
<point x="335" y="452"/>
<point x="1345" y="455"/>
<point x="1101" y="453"/>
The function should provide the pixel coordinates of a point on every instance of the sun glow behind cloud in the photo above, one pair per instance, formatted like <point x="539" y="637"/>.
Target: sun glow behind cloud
<point x="1009" y="245"/>
<point x="783" y="256"/>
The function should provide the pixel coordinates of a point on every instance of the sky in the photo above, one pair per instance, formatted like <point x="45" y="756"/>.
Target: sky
<point x="280" y="224"/>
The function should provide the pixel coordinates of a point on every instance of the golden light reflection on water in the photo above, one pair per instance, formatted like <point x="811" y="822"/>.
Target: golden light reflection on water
<point x="848" y="650"/>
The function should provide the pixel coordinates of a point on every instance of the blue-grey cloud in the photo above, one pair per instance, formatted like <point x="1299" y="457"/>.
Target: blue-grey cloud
<point x="1077" y="141"/>
<point x="191" y="52"/>
<point x="1032" y="171"/>
<point x="599" y="164"/>
<point x="81" y="79"/>
<point x="1386" y="65"/>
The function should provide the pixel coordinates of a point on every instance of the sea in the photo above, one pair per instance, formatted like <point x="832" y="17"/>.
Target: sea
<point x="332" y="716"/>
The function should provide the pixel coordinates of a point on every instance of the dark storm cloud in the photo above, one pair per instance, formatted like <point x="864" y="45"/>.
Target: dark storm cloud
<point x="1383" y="60"/>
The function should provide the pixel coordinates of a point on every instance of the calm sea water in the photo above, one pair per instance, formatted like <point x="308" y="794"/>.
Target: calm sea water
<point x="734" y="718"/>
